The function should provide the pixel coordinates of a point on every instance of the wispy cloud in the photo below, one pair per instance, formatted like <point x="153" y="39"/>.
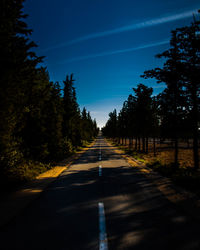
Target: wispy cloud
<point x="107" y="53"/>
<point x="149" y="23"/>
<point x="158" y="86"/>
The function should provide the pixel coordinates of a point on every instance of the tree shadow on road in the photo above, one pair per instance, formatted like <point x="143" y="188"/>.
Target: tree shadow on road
<point x="138" y="215"/>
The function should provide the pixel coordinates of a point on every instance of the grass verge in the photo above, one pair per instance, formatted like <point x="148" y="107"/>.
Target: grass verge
<point x="184" y="176"/>
<point x="27" y="171"/>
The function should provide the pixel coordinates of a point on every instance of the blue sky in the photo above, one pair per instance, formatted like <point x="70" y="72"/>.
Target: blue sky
<point x="107" y="44"/>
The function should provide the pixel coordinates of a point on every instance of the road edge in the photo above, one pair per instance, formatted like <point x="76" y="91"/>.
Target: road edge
<point x="184" y="199"/>
<point x="17" y="201"/>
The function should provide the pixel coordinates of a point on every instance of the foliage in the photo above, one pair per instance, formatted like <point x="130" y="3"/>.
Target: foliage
<point x="39" y="123"/>
<point x="137" y="118"/>
<point x="174" y="113"/>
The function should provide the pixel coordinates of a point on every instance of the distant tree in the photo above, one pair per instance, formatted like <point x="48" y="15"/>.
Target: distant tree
<point x="53" y="122"/>
<point x="143" y="112"/>
<point x="131" y="118"/>
<point x="34" y="133"/>
<point x="137" y="118"/>
<point x="123" y="122"/>
<point x="89" y="127"/>
<point x="85" y="128"/>
<point x="71" y="117"/>
<point x="110" y="128"/>
<point x="155" y="121"/>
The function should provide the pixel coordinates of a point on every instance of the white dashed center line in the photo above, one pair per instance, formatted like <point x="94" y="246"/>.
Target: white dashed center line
<point x="103" y="243"/>
<point x="100" y="170"/>
<point x="100" y="153"/>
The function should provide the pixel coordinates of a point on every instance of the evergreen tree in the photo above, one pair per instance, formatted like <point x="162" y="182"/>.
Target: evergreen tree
<point x="110" y="128"/>
<point x="143" y="113"/>
<point x="181" y="74"/>
<point x="89" y="128"/>
<point x="171" y="74"/>
<point x="18" y="64"/>
<point x="189" y="43"/>
<point x="71" y="118"/>
<point x="137" y="118"/>
<point x="53" y="124"/>
<point x="37" y="123"/>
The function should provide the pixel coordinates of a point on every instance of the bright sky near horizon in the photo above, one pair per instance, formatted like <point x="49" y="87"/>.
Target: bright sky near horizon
<point x="107" y="44"/>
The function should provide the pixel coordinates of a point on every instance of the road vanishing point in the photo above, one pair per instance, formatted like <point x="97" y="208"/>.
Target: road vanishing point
<point x="101" y="202"/>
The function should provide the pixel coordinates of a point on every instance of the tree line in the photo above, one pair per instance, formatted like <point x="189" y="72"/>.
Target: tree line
<point x="172" y="114"/>
<point x="39" y="121"/>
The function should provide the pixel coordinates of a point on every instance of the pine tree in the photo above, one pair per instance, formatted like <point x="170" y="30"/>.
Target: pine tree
<point x="171" y="74"/>
<point x="72" y="117"/>
<point x="18" y="64"/>
<point x="143" y="113"/>
<point x="189" y="43"/>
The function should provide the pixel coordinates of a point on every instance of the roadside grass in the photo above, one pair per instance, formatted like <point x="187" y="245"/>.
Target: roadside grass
<point x="138" y="156"/>
<point x="185" y="175"/>
<point x="26" y="171"/>
<point x="85" y="144"/>
<point x="18" y="175"/>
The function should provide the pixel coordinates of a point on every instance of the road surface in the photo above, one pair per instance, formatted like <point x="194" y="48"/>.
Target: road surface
<point x="101" y="202"/>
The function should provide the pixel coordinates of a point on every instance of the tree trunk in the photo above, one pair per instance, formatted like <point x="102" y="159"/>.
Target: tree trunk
<point x="195" y="110"/>
<point x="139" y="144"/>
<point x="176" y="151"/>
<point x="130" y="143"/>
<point x="195" y="133"/>
<point x="147" y="145"/>
<point x="195" y="150"/>
<point x="143" y="144"/>
<point x="175" y="128"/>
<point x="154" y="146"/>
<point x="136" y="140"/>
<point x="188" y="143"/>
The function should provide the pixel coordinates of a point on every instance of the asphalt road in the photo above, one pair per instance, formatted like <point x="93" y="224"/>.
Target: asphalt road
<point x="112" y="207"/>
